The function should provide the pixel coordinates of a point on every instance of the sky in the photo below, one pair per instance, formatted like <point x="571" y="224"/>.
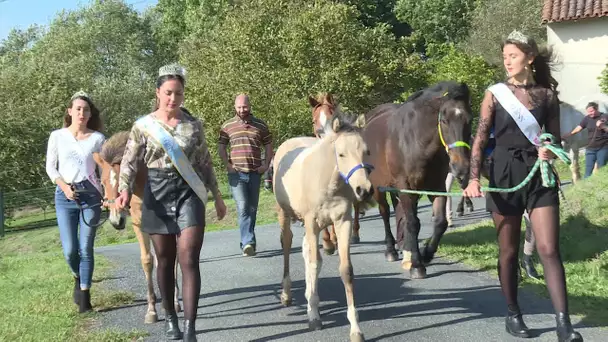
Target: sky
<point x="23" y="13"/>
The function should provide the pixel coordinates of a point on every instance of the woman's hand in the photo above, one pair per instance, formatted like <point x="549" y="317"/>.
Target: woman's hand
<point x="545" y="154"/>
<point x="122" y="200"/>
<point x="67" y="190"/>
<point x="220" y="208"/>
<point x="473" y="189"/>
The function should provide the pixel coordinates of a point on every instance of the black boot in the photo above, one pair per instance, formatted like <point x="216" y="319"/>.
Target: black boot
<point x="76" y="293"/>
<point x="84" y="304"/>
<point x="172" y="331"/>
<point x="189" y="331"/>
<point x="514" y="324"/>
<point x="565" y="333"/>
<point x="528" y="265"/>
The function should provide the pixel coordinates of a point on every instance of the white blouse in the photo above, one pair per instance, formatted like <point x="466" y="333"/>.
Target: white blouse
<point x="72" y="159"/>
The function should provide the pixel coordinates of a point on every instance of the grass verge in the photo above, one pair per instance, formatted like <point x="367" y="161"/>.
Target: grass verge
<point x="583" y="243"/>
<point x="36" y="283"/>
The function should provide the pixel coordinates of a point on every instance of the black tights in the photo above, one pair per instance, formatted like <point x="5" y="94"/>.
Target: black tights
<point x="188" y="245"/>
<point x="545" y="223"/>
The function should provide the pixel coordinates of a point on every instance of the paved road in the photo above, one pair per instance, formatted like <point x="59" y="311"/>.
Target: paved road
<point x="240" y="296"/>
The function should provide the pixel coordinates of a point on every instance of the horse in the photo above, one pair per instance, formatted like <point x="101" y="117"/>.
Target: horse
<point x="319" y="199"/>
<point x="412" y="146"/>
<point x="323" y="108"/>
<point x="110" y="158"/>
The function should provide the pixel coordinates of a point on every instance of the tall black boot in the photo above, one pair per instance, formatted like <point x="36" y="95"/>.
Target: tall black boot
<point x="84" y="304"/>
<point x="189" y="331"/>
<point x="565" y="332"/>
<point x="172" y="331"/>
<point x="76" y="293"/>
<point x="528" y="265"/>
<point x="514" y="324"/>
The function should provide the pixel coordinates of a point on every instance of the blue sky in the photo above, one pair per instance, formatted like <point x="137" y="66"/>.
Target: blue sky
<point x="23" y="13"/>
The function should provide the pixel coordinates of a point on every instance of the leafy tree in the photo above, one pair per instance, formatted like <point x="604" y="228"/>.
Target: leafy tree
<point x="492" y="21"/>
<point x="604" y="80"/>
<point x="279" y="52"/>
<point x="437" y="21"/>
<point x="104" y="49"/>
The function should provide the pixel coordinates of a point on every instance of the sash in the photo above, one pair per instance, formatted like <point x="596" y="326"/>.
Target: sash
<point x="177" y="155"/>
<point x="522" y="116"/>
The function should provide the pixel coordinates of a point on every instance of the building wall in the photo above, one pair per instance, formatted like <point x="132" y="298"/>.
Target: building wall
<point x="582" y="51"/>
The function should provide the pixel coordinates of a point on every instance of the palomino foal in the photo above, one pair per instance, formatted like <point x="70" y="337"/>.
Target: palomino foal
<point x="111" y="156"/>
<point x="316" y="181"/>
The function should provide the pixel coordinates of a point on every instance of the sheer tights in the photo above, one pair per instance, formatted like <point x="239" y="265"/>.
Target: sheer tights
<point x="188" y="244"/>
<point x="545" y="223"/>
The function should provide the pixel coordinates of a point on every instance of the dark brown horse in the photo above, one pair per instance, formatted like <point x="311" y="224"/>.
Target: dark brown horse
<point x="412" y="146"/>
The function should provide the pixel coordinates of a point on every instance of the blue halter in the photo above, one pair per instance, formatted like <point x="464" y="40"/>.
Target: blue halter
<point x="368" y="167"/>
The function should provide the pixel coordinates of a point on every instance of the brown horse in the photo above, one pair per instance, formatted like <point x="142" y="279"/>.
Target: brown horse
<point x="111" y="156"/>
<point x="412" y="147"/>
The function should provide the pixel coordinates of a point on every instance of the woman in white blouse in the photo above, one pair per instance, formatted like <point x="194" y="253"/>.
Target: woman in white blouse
<point x="70" y="165"/>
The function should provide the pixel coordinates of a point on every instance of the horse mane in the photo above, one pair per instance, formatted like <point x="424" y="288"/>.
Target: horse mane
<point x="347" y="123"/>
<point x="114" y="148"/>
<point x="451" y="90"/>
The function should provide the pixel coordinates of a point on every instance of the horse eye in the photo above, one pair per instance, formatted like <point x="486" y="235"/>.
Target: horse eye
<point x="341" y="155"/>
<point x="367" y="152"/>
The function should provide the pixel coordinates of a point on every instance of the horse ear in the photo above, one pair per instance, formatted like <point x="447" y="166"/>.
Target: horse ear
<point x="313" y="102"/>
<point x="336" y="124"/>
<point x="360" y="121"/>
<point x="329" y="98"/>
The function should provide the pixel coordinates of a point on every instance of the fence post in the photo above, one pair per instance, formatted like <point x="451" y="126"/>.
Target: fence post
<point x="1" y="214"/>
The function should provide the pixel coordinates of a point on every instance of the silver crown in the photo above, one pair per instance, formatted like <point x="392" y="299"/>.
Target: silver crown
<point x="80" y="93"/>
<point x="518" y="37"/>
<point x="172" y="69"/>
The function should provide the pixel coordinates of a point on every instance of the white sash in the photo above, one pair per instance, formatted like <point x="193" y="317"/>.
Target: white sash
<point x="177" y="155"/>
<point x="522" y="116"/>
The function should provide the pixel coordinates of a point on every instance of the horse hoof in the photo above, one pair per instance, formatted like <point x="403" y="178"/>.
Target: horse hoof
<point x="357" y="337"/>
<point x="315" y="324"/>
<point x="426" y="256"/>
<point x="418" y="273"/>
<point x="151" y="317"/>
<point x="391" y="256"/>
<point x="178" y="308"/>
<point x="355" y="239"/>
<point x="286" y="301"/>
<point x="329" y="251"/>
<point x="406" y="265"/>
<point x="460" y="213"/>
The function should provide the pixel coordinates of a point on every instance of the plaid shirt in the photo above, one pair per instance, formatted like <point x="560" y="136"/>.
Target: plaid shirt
<point x="246" y="139"/>
<point x="189" y="135"/>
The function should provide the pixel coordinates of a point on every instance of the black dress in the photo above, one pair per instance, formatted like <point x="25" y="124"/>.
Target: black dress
<point x="514" y="157"/>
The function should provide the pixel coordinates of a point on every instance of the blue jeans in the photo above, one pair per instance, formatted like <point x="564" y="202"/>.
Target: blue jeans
<point x="246" y="192"/>
<point x="593" y="155"/>
<point x="78" y="248"/>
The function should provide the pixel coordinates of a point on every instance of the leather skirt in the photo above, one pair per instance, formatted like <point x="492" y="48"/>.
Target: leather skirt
<point x="169" y="204"/>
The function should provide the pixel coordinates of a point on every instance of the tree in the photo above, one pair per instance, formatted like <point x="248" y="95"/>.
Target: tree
<point x="604" y="80"/>
<point x="437" y="21"/>
<point x="104" y="49"/>
<point x="279" y="52"/>
<point x="492" y="21"/>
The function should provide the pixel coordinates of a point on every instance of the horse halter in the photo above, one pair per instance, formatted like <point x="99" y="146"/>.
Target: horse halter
<point x="458" y="143"/>
<point x="367" y="167"/>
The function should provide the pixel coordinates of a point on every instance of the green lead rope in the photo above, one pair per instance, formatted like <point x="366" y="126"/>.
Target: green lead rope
<point x="548" y="177"/>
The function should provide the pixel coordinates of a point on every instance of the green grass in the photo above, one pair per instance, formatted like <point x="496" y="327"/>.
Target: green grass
<point x="36" y="284"/>
<point x="583" y="242"/>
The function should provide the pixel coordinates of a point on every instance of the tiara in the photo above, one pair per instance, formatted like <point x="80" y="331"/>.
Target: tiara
<point x="518" y="37"/>
<point x="80" y="93"/>
<point x="172" y="69"/>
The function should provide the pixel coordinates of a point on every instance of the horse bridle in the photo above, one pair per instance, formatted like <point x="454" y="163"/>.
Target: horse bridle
<point x="367" y="167"/>
<point x="458" y="143"/>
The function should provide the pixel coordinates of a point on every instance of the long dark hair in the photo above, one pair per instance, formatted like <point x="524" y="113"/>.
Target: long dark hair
<point x="542" y="63"/>
<point x="94" y="122"/>
<point x="163" y="79"/>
